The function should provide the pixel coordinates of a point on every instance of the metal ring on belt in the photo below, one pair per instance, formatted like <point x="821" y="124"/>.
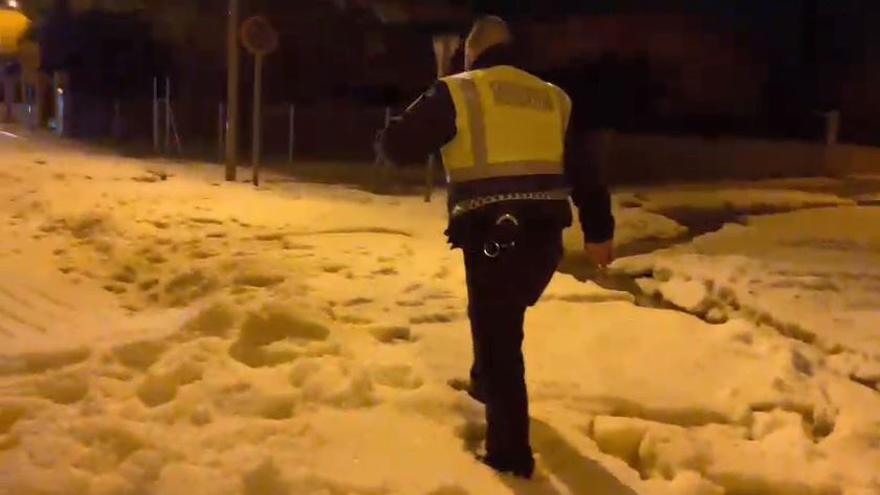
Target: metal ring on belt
<point x="493" y="249"/>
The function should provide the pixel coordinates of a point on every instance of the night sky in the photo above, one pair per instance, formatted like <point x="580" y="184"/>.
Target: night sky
<point x="841" y="29"/>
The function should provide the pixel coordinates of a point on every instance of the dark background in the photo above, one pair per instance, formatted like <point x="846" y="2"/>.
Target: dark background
<point x="686" y="67"/>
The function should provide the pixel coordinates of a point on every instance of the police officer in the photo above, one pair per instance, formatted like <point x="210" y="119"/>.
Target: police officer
<point x="512" y="162"/>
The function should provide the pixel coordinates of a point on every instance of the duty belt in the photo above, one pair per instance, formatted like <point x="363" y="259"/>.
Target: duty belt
<point x="472" y="204"/>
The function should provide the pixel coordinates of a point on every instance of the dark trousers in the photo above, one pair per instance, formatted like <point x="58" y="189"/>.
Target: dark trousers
<point x="499" y="292"/>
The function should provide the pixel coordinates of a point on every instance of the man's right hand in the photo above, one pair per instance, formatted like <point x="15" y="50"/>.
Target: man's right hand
<point x="602" y="254"/>
<point x="445" y="47"/>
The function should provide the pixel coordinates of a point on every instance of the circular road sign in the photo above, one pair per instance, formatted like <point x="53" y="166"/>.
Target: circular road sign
<point x="258" y="36"/>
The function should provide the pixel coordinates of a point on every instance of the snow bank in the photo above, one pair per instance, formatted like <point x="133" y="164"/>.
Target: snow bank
<point x="741" y="199"/>
<point x="633" y="225"/>
<point x="816" y="283"/>
<point x="809" y="276"/>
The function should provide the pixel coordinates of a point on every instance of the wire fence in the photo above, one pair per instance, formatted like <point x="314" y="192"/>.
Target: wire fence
<point x="329" y="130"/>
<point x="321" y="130"/>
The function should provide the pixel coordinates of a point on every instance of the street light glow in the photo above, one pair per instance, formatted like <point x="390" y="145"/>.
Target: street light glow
<point x="13" y="3"/>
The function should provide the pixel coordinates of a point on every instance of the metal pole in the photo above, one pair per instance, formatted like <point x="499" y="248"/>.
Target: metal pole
<point x="429" y="178"/>
<point x="40" y="100"/>
<point x="59" y="99"/>
<point x="24" y="100"/>
<point x="291" y="136"/>
<point x="381" y="168"/>
<point x="8" y="98"/>
<point x="232" y="84"/>
<point x="28" y="100"/>
<point x="156" y="115"/>
<point x="167" y="115"/>
<point x="117" y="119"/>
<point x="257" y="124"/>
<point x="221" y="130"/>
<point x="176" y="134"/>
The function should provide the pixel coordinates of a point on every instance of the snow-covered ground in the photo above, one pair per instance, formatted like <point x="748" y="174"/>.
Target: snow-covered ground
<point x="812" y="274"/>
<point x="163" y="332"/>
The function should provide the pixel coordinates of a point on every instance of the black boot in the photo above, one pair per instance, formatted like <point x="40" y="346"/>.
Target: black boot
<point x="476" y="394"/>
<point x="521" y="468"/>
<point x="473" y="390"/>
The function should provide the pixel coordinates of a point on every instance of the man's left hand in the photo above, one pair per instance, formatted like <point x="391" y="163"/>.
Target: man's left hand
<point x="602" y="254"/>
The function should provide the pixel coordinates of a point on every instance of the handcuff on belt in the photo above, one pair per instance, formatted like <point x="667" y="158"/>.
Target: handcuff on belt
<point x="494" y="248"/>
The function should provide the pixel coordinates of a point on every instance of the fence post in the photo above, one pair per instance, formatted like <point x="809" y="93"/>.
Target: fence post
<point x="40" y="100"/>
<point x="117" y="119"/>
<point x="381" y="168"/>
<point x="233" y="78"/>
<point x="156" y="115"/>
<point x="832" y="151"/>
<point x="26" y="102"/>
<point x="257" y="118"/>
<point x="429" y="177"/>
<point x="221" y="131"/>
<point x="167" y="115"/>
<point x="8" y="98"/>
<point x="291" y="135"/>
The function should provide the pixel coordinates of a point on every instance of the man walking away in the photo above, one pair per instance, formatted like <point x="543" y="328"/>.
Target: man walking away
<point x="512" y="162"/>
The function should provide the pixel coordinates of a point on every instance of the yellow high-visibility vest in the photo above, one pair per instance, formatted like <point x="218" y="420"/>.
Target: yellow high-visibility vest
<point x="510" y="123"/>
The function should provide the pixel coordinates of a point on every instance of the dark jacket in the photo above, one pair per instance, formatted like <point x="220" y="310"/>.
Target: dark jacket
<point x="429" y="124"/>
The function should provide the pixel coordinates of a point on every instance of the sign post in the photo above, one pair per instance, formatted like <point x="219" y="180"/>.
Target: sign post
<point x="257" y="125"/>
<point x="260" y="39"/>
<point x="157" y="146"/>
<point x="232" y="87"/>
<point x="291" y="133"/>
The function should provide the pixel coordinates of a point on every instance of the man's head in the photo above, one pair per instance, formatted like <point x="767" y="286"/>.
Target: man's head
<point x="487" y="32"/>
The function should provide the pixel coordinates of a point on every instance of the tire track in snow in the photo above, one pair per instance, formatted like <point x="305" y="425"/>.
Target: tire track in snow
<point x="32" y="308"/>
<point x="38" y="312"/>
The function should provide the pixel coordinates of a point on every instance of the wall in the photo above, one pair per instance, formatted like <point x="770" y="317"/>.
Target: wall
<point x="705" y="67"/>
<point x="652" y="159"/>
<point x="848" y="159"/>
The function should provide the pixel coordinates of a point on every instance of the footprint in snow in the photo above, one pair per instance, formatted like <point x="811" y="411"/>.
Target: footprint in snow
<point x="202" y="254"/>
<point x="161" y="388"/>
<point x="445" y="317"/>
<point x="116" y="288"/>
<point x="401" y="377"/>
<point x="274" y="336"/>
<point x="272" y="236"/>
<point x="358" y="301"/>
<point x="206" y="220"/>
<point x="351" y="319"/>
<point x="333" y="268"/>
<point x="390" y="334"/>
<point x="411" y="303"/>
<point x="258" y="279"/>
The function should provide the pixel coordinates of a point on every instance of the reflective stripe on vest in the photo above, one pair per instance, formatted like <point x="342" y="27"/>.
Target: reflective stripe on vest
<point x="479" y="146"/>
<point x="528" y="118"/>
